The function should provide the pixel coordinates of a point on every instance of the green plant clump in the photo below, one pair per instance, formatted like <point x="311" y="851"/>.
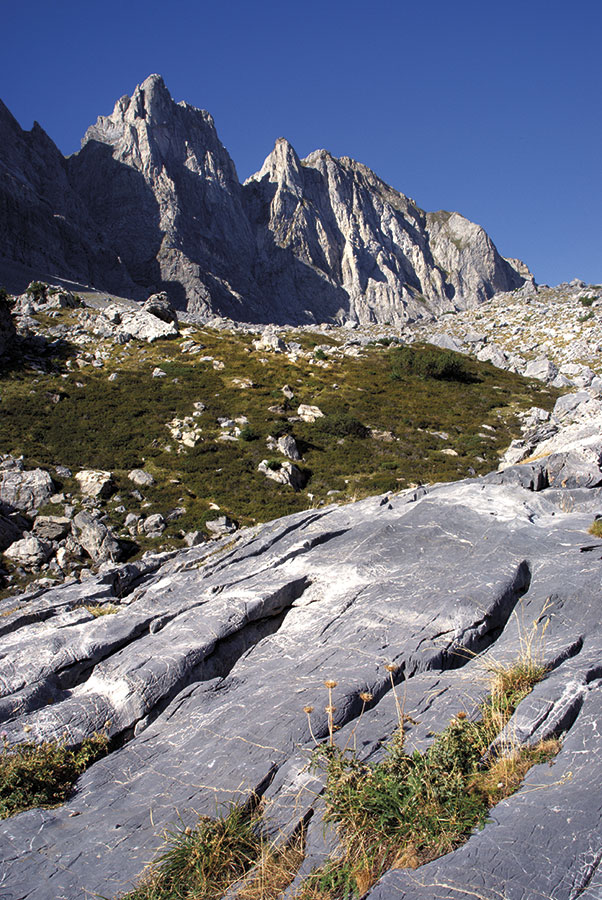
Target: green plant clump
<point x="203" y="862"/>
<point x="411" y="808"/>
<point x="34" y="775"/>
<point x="596" y="528"/>
<point x="444" y="365"/>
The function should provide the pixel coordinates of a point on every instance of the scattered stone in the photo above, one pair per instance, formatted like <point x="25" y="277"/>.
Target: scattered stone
<point x="29" y="552"/>
<point x="141" y="478"/>
<point x="159" y="373"/>
<point x="286" y="445"/>
<point x="284" y="473"/>
<point x="309" y="413"/>
<point x="96" y="539"/>
<point x="542" y="369"/>
<point x="220" y="526"/>
<point x="51" y="528"/>
<point x="96" y="483"/>
<point x="159" y="306"/>
<point x="153" y="526"/>
<point x="24" y="490"/>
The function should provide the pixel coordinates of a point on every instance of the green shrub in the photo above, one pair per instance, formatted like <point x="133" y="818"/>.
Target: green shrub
<point x="444" y="365"/>
<point x="34" y="775"/>
<point x="247" y="433"/>
<point x="319" y="354"/>
<point x="342" y="425"/>
<point x="203" y="862"/>
<point x="587" y="301"/>
<point x="37" y="290"/>
<point x="411" y="808"/>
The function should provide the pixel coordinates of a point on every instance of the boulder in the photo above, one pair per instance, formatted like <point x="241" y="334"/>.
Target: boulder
<point x="96" y="483"/>
<point x="309" y="413"/>
<point x="51" y="528"/>
<point x="283" y="473"/>
<point x="29" y="552"/>
<point x="143" y="326"/>
<point x="270" y="341"/>
<point x="287" y="445"/>
<point x="153" y="526"/>
<point x="96" y="539"/>
<point x="543" y="369"/>
<point x="25" y="490"/>
<point x="141" y="478"/>
<point x="220" y="526"/>
<point x="158" y="305"/>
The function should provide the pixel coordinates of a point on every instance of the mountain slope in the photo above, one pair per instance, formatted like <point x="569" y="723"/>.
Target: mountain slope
<point x="153" y="202"/>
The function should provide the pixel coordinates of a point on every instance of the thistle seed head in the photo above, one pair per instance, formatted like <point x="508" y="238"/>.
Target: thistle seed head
<point x="330" y="683"/>
<point x="308" y="709"/>
<point x="366" y="696"/>
<point x="391" y="667"/>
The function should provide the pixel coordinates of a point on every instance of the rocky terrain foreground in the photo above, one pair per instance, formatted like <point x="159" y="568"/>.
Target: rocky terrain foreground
<point x="201" y="674"/>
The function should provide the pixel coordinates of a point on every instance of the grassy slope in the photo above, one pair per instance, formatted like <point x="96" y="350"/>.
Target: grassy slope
<point x="81" y="419"/>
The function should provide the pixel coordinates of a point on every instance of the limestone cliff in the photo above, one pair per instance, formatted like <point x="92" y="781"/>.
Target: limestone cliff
<point x="153" y="202"/>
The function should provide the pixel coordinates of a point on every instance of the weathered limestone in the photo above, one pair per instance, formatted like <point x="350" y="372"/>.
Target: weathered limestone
<point x="215" y="650"/>
<point x="24" y="490"/>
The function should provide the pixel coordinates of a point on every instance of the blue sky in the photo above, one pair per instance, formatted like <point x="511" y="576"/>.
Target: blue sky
<point x="492" y="109"/>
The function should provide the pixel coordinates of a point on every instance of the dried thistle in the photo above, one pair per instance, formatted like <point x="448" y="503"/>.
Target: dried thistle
<point x="366" y="696"/>
<point x="330" y="684"/>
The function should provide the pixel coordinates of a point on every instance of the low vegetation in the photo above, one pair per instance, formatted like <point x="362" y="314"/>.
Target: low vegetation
<point x="401" y="812"/>
<point x="33" y="775"/>
<point x="596" y="528"/>
<point x="392" y="417"/>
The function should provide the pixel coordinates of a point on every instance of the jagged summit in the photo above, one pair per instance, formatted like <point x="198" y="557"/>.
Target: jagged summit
<point x="152" y="201"/>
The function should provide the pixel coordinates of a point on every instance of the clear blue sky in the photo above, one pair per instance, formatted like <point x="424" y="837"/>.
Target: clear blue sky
<point x="489" y="108"/>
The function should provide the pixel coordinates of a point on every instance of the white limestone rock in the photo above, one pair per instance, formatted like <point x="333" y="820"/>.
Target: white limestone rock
<point x="95" y="483"/>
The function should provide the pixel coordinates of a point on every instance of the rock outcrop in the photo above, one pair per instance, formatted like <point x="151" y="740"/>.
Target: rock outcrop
<point x="152" y="202"/>
<point x="353" y="248"/>
<point x="45" y="227"/>
<point x="204" y="669"/>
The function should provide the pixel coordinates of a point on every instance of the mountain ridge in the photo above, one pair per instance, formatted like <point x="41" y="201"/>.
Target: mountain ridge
<point x="152" y="202"/>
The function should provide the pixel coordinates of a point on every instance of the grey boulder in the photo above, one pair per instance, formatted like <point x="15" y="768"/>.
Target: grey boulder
<point x="25" y="489"/>
<point x="96" y="539"/>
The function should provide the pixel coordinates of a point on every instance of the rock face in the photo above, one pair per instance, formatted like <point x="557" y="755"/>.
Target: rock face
<point x="353" y="248"/>
<point x="155" y="174"/>
<point x="205" y="668"/>
<point x="152" y="202"/>
<point x="44" y="223"/>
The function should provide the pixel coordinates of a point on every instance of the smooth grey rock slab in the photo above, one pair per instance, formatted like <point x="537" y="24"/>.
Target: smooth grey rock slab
<point x="204" y="671"/>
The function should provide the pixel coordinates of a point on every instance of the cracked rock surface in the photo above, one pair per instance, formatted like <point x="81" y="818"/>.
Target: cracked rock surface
<point x="201" y="676"/>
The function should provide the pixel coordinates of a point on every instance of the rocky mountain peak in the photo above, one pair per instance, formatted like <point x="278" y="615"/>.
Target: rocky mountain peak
<point x="319" y="239"/>
<point x="282" y="166"/>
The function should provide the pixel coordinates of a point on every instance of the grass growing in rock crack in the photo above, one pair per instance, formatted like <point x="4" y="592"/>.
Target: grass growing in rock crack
<point x="411" y="808"/>
<point x="401" y="812"/>
<point x="202" y="863"/>
<point x="33" y="775"/>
